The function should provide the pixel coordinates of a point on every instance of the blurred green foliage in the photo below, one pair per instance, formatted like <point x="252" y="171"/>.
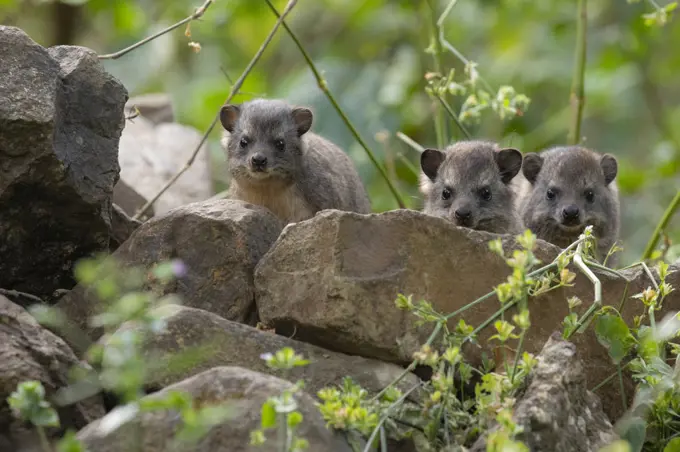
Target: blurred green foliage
<point x="372" y="54"/>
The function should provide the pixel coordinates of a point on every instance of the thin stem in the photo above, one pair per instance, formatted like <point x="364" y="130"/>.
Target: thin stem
<point x="232" y="93"/>
<point x="408" y="140"/>
<point x="386" y="415"/>
<point x="517" y="355"/>
<point x="323" y="85"/>
<point x="411" y="366"/>
<point x="667" y="215"/>
<point x="453" y="115"/>
<point x="470" y="305"/>
<point x="44" y="443"/>
<point x="408" y="164"/>
<point x="609" y="378"/>
<point x="622" y="387"/>
<point x="439" y="124"/>
<point x="196" y="15"/>
<point x="16" y="293"/>
<point x="282" y="433"/>
<point x="597" y="287"/>
<point x="577" y="91"/>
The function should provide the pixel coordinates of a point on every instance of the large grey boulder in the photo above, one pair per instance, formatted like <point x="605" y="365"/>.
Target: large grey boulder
<point x="208" y="341"/>
<point x="61" y="116"/>
<point x="219" y="243"/>
<point x="556" y="411"/>
<point x="29" y="352"/>
<point x="240" y="389"/>
<point x="333" y="281"/>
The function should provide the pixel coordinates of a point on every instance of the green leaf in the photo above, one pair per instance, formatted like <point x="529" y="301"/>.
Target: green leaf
<point x="268" y="415"/>
<point x="672" y="446"/>
<point x="46" y="417"/>
<point x="294" y="419"/>
<point x="633" y="430"/>
<point x="69" y="443"/>
<point x="613" y="333"/>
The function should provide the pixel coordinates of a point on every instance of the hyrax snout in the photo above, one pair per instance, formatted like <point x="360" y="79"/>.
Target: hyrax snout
<point x="567" y="188"/>
<point x="277" y="162"/>
<point x="469" y="183"/>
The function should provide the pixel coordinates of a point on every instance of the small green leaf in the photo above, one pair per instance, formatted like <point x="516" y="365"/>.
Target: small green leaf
<point x="613" y="333"/>
<point x="294" y="419"/>
<point x="672" y="446"/>
<point x="69" y="443"/>
<point x="633" y="430"/>
<point x="268" y="415"/>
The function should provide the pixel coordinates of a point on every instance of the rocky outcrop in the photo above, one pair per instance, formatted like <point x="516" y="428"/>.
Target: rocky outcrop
<point x="60" y="122"/>
<point x="333" y="280"/>
<point x="556" y="411"/>
<point x="151" y="154"/>
<point x="130" y="201"/>
<point x="219" y="242"/>
<point x="29" y="352"/>
<point x="240" y="389"/>
<point x="212" y="341"/>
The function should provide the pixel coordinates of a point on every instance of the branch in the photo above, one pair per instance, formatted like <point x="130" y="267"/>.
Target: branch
<point x="577" y="95"/>
<point x="450" y="111"/>
<point x="16" y="294"/>
<point x="408" y="140"/>
<point x="323" y="85"/>
<point x="232" y="93"/>
<point x="667" y="215"/>
<point x="196" y="15"/>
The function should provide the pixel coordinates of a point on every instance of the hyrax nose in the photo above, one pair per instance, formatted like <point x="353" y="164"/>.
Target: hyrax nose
<point x="258" y="161"/>
<point x="570" y="212"/>
<point x="464" y="213"/>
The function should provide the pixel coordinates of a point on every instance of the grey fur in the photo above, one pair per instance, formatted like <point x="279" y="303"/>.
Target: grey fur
<point x="465" y="169"/>
<point x="570" y="171"/>
<point x="307" y="174"/>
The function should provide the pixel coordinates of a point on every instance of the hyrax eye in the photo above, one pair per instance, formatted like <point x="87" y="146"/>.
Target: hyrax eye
<point x="446" y="193"/>
<point x="550" y="194"/>
<point x="485" y="193"/>
<point x="244" y="142"/>
<point x="590" y="196"/>
<point x="280" y="145"/>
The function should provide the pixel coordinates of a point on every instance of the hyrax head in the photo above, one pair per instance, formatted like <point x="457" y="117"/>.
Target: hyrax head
<point x="468" y="183"/>
<point x="571" y="188"/>
<point x="265" y="140"/>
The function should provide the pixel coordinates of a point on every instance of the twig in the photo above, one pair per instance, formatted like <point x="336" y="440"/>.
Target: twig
<point x="323" y="85"/>
<point x="196" y="15"/>
<point x="232" y="93"/>
<point x="387" y="414"/>
<point x="16" y="293"/>
<point x="439" y="124"/>
<point x="597" y="287"/>
<point x="667" y="215"/>
<point x="453" y="115"/>
<point x="406" y="139"/>
<point x="577" y="96"/>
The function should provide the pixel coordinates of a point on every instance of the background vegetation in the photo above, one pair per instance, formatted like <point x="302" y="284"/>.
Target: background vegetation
<point x="373" y="55"/>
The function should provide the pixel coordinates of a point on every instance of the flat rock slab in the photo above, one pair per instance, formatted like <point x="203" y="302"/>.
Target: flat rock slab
<point x="333" y="280"/>
<point x="208" y="341"/>
<point x="241" y="389"/>
<point x="219" y="242"/>
<point x="29" y="352"/>
<point x="60" y="121"/>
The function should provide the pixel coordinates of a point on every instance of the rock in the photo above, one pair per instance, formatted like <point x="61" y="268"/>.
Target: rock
<point x="150" y="155"/>
<point x="122" y="227"/>
<point x="219" y="242"/>
<point x="212" y="341"/>
<point x="333" y="280"/>
<point x="556" y="411"/>
<point x="29" y="352"/>
<point x="60" y="121"/>
<point x="130" y="201"/>
<point x="242" y="389"/>
<point x="155" y="107"/>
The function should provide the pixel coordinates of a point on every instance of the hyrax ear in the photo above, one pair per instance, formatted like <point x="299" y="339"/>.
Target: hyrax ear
<point x="302" y="117"/>
<point x="228" y="116"/>
<point x="430" y="161"/>
<point x="609" y="168"/>
<point x="509" y="161"/>
<point x="531" y="166"/>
